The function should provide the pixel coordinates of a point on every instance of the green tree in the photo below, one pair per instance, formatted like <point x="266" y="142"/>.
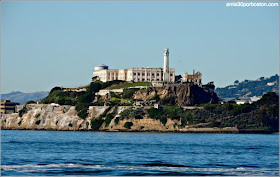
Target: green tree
<point x="128" y="125"/>
<point x="269" y="98"/>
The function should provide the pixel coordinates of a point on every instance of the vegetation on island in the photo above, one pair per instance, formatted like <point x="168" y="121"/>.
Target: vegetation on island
<point x="263" y="114"/>
<point x="126" y="85"/>
<point x="82" y="100"/>
<point x="128" y="125"/>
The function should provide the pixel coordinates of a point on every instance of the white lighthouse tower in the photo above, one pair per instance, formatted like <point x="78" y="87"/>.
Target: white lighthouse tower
<point x="166" y="65"/>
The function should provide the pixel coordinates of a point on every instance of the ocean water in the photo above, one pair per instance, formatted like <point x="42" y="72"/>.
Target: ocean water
<point x="53" y="153"/>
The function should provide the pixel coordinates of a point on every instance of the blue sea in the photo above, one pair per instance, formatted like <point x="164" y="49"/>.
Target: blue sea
<point x="54" y="153"/>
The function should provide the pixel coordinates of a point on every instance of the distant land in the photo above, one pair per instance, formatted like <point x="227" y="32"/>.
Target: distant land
<point x="22" y="98"/>
<point x="250" y="88"/>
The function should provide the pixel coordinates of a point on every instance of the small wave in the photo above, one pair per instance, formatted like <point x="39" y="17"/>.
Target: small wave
<point x="155" y="168"/>
<point x="164" y="165"/>
<point x="240" y="168"/>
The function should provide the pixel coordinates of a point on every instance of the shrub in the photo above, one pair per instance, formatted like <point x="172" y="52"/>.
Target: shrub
<point x="93" y="87"/>
<point x="23" y="111"/>
<point x="156" y="97"/>
<point x="154" y="113"/>
<point x="172" y="112"/>
<point x="242" y="108"/>
<point x="117" y="120"/>
<point x="138" y="117"/>
<point x="169" y="100"/>
<point x="128" y="125"/>
<point x="37" y="115"/>
<point x="125" y="113"/>
<point x="19" y="122"/>
<point x="269" y="98"/>
<point x="110" y="83"/>
<point x="213" y="123"/>
<point x="105" y="112"/>
<point x="108" y="119"/>
<point x="137" y="113"/>
<point x="163" y="120"/>
<point x="64" y="101"/>
<point x="83" y="113"/>
<point x="98" y="103"/>
<point x="113" y="94"/>
<point x="128" y="93"/>
<point x="96" y="123"/>
<point x="55" y="89"/>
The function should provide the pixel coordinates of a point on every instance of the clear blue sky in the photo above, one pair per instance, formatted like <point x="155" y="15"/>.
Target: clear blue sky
<point x="48" y="44"/>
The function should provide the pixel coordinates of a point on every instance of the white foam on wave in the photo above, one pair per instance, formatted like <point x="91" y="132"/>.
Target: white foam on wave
<point x="33" y="168"/>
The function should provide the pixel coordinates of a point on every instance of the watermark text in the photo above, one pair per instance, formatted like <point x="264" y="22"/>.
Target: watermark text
<point x="252" y="4"/>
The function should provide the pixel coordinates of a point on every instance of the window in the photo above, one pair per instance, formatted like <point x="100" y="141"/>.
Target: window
<point x="153" y="74"/>
<point x="157" y="74"/>
<point x="143" y="80"/>
<point x="138" y="74"/>
<point x="171" y="74"/>
<point x="148" y="74"/>
<point x="143" y="74"/>
<point x="134" y="74"/>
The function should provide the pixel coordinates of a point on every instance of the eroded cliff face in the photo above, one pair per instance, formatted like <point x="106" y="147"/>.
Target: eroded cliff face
<point x="145" y="124"/>
<point x="65" y="118"/>
<point x="180" y="95"/>
<point x="45" y="117"/>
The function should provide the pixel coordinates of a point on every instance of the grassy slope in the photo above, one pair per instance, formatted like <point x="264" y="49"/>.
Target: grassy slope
<point x="126" y="85"/>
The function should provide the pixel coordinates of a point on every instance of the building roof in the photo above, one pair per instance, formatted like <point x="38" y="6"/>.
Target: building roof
<point x="102" y="65"/>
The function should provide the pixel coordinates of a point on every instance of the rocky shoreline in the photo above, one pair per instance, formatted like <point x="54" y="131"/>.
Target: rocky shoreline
<point x="64" y="118"/>
<point x="227" y="130"/>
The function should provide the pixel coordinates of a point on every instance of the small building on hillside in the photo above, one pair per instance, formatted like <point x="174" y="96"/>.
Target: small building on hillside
<point x="243" y="101"/>
<point x="255" y="98"/>
<point x="19" y="107"/>
<point x="8" y="107"/>
<point x="195" y="78"/>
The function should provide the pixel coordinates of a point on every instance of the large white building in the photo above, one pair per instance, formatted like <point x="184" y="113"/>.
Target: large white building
<point x="166" y="74"/>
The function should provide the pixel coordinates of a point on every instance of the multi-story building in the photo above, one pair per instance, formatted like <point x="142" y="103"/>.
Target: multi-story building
<point x="8" y="107"/>
<point x="164" y="74"/>
<point x="195" y="78"/>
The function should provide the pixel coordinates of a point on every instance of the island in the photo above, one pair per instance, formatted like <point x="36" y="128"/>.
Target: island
<point x="144" y="100"/>
<point x="141" y="107"/>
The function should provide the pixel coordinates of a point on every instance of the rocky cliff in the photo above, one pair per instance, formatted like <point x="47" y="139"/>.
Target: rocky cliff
<point x="123" y="118"/>
<point x="180" y="95"/>
<point x="45" y="117"/>
<point x="49" y="117"/>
